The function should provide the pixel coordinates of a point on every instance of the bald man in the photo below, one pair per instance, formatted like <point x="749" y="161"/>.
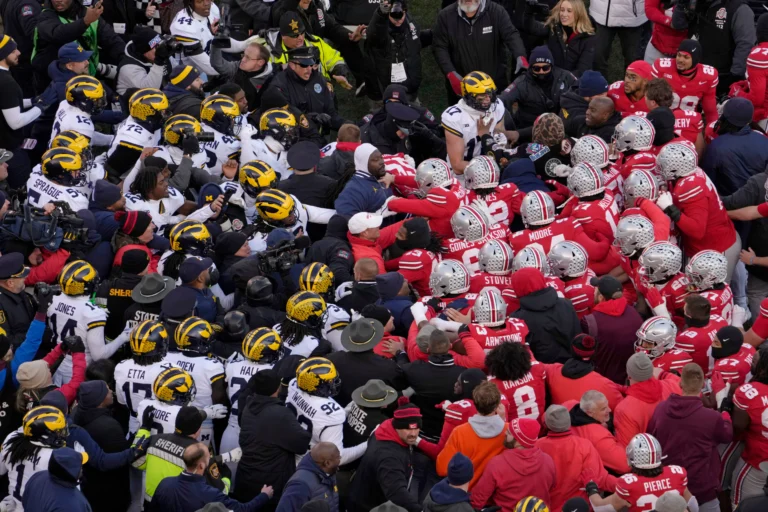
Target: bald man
<point x="315" y="478"/>
<point x="601" y="120"/>
<point x="362" y="291"/>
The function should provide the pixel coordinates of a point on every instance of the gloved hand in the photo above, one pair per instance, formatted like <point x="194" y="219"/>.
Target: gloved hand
<point x="221" y="41"/>
<point x="8" y="504"/>
<point x="106" y="70"/>
<point x="46" y="100"/>
<point x="726" y="405"/>
<point x="215" y="411"/>
<point x="522" y="63"/>
<point x="162" y="54"/>
<point x="74" y="344"/>
<point x="321" y="119"/>
<point x="592" y="488"/>
<point x="139" y="450"/>
<point x="190" y="145"/>
<point x="233" y="455"/>
<point x="664" y="200"/>
<point x="422" y="130"/>
<point x="562" y="171"/>
<point x="434" y="303"/>
<point x="147" y="417"/>
<point x="455" y="80"/>
<point x="419" y="312"/>
<point x="44" y="294"/>
<point x="481" y="206"/>
<point x="739" y="316"/>
<point x="343" y="290"/>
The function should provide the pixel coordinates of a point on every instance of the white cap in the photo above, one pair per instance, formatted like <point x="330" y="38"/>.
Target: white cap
<point x="364" y="220"/>
<point x="671" y="501"/>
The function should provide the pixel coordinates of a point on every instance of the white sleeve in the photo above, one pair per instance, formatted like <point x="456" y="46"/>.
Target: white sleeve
<point x="102" y="139"/>
<point x="202" y="214"/>
<point x="17" y="119"/>
<point x="319" y="215"/>
<point x="335" y="434"/>
<point x="98" y="347"/>
<point x="202" y="62"/>
<point x="131" y="176"/>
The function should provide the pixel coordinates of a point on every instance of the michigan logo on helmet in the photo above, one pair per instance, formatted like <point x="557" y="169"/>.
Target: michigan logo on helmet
<point x="276" y="208"/>
<point x="262" y="345"/>
<point x="86" y="93"/>
<point x="306" y="308"/>
<point x="219" y="112"/>
<point x="176" y="127"/>
<point x="62" y="166"/>
<point x="148" y="107"/>
<point x="478" y="91"/>
<point x="317" y="278"/>
<point x="318" y="376"/>
<point x="190" y="237"/>
<point x="174" y="386"/>
<point x="149" y="339"/>
<point x="195" y="335"/>
<point x="78" y="278"/>
<point x="75" y="141"/>
<point x="531" y="504"/>
<point x="280" y="125"/>
<point x="257" y="176"/>
<point x="45" y="425"/>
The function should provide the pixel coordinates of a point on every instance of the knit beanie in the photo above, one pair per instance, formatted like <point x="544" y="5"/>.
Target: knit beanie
<point x="557" y="418"/>
<point x="762" y="28"/>
<point x="692" y="48"/>
<point x="540" y="55"/>
<point x="56" y="399"/>
<point x="265" y="382"/>
<point x="639" y="367"/>
<point x="577" y="505"/>
<point x="105" y="194"/>
<point x="7" y="46"/>
<point x="592" y="83"/>
<point x="182" y="76"/>
<point x="91" y="394"/>
<point x="738" y="112"/>
<point x="460" y="469"/>
<point x="525" y="431"/>
<point x="33" y="374"/>
<point x="583" y="346"/>
<point x="548" y="130"/>
<point x="470" y="379"/>
<point x="376" y="312"/>
<point x="406" y="416"/>
<point x="671" y="502"/>
<point x="188" y="420"/>
<point x="528" y="280"/>
<point x="227" y="244"/>
<point x="134" y="261"/>
<point x="663" y="121"/>
<point x="145" y="39"/>
<point x="133" y="223"/>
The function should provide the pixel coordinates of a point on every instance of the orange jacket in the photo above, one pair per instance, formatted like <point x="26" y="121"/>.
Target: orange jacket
<point x="368" y="249"/>
<point x="562" y="389"/>
<point x="480" y="450"/>
<point x="632" y="415"/>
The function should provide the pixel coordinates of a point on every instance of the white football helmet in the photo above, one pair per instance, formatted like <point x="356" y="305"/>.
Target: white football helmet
<point x="707" y="269"/>
<point x="656" y="336"/>
<point x="537" y="209"/>
<point x="432" y="173"/>
<point x="568" y="259"/>
<point x="482" y="172"/>
<point x="660" y="261"/>
<point x="470" y="224"/>
<point x="633" y="233"/>
<point x="590" y="149"/>
<point x="640" y="183"/>
<point x="449" y="277"/>
<point x="586" y="180"/>
<point x="490" y="309"/>
<point x="495" y="257"/>
<point x="633" y="133"/>
<point x="532" y="257"/>
<point x="676" y="160"/>
<point x="644" y="452"/>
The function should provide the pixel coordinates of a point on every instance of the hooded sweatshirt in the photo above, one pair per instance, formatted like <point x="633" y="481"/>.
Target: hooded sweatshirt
<point x="632" y="415"/>
<point x="444" y="498"/>
<point x="56" y="490"/>
<point x="513" y="475"/>
<point x="689" y="435"/>
<point x="481" y="439"/>
<point x="613" y="323"/>
<point x="571" y="380"/>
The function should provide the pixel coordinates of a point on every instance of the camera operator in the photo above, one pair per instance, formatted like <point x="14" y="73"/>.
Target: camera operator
<point x="393" y="44"/>
<point x="726" y="31"/>
<point x="184" y="91"/>
<point x="253" y="73"/>
<point x="144" y="63"/>
<point x="17" y="308"/>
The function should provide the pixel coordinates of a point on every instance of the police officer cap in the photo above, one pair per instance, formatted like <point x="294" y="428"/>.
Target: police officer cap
<point x="291" y="24"/>
<point x="396" y="92"/>
<point x="12" y="266"/>
<point x="303" y="156"/>
<point x="401" y="112"/>
<point x="303" y="55"/>
<point x="179" y="303"/>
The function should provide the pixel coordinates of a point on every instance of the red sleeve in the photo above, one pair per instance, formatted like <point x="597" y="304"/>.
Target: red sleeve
<point x="597" y="251"/>
<point x="53" y="356"/>
<point x="47" y="271"/>
<point x="475" y="357"/>
<point x="445" y="434"/>
<point x="392" y="265"/>
<point x="709" y="104"/>
<point x="484" y="488"/>
<point x="432" y="450"/>
<point x="654" y="13"/>
<point x="419" y="207"/>
<point x="388" y="234"/>
<point x="762" y="209"/>
<point x="69" y="390"/>
<point x="613" y="453"/>
<point x="661" y="223"/>
<point x="757" y="86"/>
<point x="693" y="212"/>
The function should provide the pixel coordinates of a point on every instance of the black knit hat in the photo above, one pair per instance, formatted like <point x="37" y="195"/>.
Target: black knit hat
<point x="188" y="420"/>
<point x="406" y="416"/>
<point x="134" y="261"/>
<point x="133" y="223"/>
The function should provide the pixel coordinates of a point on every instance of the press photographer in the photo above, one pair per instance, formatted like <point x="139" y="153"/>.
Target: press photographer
<point x="146" y="60"/>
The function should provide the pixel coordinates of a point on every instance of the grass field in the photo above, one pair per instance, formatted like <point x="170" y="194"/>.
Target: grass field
<point x="432" y="92"/>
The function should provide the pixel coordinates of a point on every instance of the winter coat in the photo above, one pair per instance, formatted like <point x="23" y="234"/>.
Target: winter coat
<point x="572" y="104"/>
<point x="613" y="323"/>
<point x="386" y="44"/>
<point x="191" y="492"/>
<point x="182" y="101"/>
<point x="361" y="294"/>
<point x="613" y="453"/>
<point x="336" y="164"/>
<point x="732" y="158"/>
<point x="552" y="324"/>
<point x="577" y="127"/>
<point x="373" y="249"/>
<point x="309" y="482"/>
<point x="400" y="308"/>
<point x="362" y="193"/>
<point x="136" y="71"/>
<point x="444" y="498"/>
<point x="48" y="493"/>
<point x="270" y="437"/>
<point x="632" y="415"/>
<point x="384" y="474"/>
<point x="512" y="476"/>
<point x="618" y="13"/>
<point x="535" y="97"/>
<point x="664" y="38"/>
<point x="481" y="439"/>
<point x="572" y="380"/>
<point x="522" y="173"/>
<point x="689" y="435"/>
<point x="360" y="367"/>
<point x="572" y="456"/>
<point x="751" y="194"/>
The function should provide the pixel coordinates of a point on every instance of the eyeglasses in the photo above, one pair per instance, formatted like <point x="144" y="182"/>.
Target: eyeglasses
<point x="541" y="68"/>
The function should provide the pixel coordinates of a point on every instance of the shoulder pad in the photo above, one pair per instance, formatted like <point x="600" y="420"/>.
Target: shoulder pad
<point x="617" y="85"/>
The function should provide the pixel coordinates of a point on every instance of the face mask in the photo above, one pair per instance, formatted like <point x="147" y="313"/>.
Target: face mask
<point x="213" y="277"/>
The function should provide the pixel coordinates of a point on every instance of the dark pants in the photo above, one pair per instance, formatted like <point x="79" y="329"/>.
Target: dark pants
<point x="19" y="168"/>
<point x="630" y="38"/>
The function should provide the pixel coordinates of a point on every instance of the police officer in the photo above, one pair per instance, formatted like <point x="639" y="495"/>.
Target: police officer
<point x="17" y="308"/>
<point x="306" y="89"/>
<point x="148" y="298"/>
<point x="389" y="129"/>
<point x="116" y="293"/>
<point x="20" y="18"/>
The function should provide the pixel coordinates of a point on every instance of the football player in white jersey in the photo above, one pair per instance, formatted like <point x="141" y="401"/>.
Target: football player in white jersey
<point x="219" y="114"/>
<point x="278" y="131"/>
<point x="93" y="171"/>
<point x="72" y="314"/>
<point x="27" y="450"/>
<point x="141" y="129"/>
<point x="61" y="170"/>
<point x="253" y="178"/>
<point x="318" y="278"/>
<point x="478" y="101"/>
<point x="305" y="314"/>
<point x="85" y="97"/>
<point x="173" y="388"/>
<point x="134" y="376"/>
<point x="174" y="130"/>
<point x="193" y="341"/>
<point x="310" y="397"/>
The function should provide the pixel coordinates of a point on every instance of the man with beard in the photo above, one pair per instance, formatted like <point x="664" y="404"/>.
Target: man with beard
<point x="369" y="188"/>
<point x="629" y="95"/>
<point x="184" y="91"/>
<point x="600" y="119"/>
<point x="253" y="73"/>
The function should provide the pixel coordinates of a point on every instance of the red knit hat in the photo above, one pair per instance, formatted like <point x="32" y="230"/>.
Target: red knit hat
<point x="528" y="280"/>
<point x="133" y="223"/>
<point x="525" y="431"/>
<point x="583" y="346"/>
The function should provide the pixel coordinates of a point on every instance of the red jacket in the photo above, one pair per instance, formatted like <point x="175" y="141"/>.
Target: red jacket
<point x="513" y="475"/>
<point x="438" y="207"/>
<point x="562" y="389"/>
<point x="69" y="390"/>
<point x="367" y="249"/>
<point x="664" y="38"/>
<point x="612" y="452"/>
<point x="47" y="271"/>
<point x="474" y="356"/>
<point x="632" y="415"/>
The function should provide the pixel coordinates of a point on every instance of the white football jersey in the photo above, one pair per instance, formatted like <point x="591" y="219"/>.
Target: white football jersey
<point x="75" y="316"/>
<point x="173" y="155"/>
<point x="461" y="120"/>
<point x="204" y="371"/>
<point x="20" y="473"/>
<point x="94" y="173"/>
<point x="316" y="414"/>
<point x="161" y="210"/>
<point x="133" y="384"/>
<point x="164" y="417"/>
<point x="239" y="197"/>
<point x="219" y="150"/>
<point x="69" y="117"/>
<point x="306" y="213"/>
<point x="335" y="322"/>
<point x="130" y="134"/>
<point x="41" y="190"/>
<point x="303" y="348"/>
<point x="239" y="371"/>
<point x="195" y="27"/>
<point x="256" y="149"/>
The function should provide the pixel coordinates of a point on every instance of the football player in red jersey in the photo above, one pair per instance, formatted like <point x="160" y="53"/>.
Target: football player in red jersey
<point x="521" y="379"/>
<point x="472" y="229"/>
<point x="532" y="257"/>
<point x="489" y="325"/>
<point x="638" y="491"/>
<point x="691" y="81"/>
<point x="481" y="178"/>
<point x="660" y="281"/>
<point x="495" y="268"/>
<point x="749" y="409"/>
<point x="458" y="412"/>
<point x="656" y="337"/>
<point x="733" y="360"/>
<point x="596" y="209"/>
<point x="707" y="272"/>
<point x="631" y="145"/>
<point x="629" y="96"/>
<point x="568" y="261"/>
<point x="422" y="254"/>
<point x="449" y="283"/>
<point x="593" y="150"/>
<point x="695" y="207"/>
<point x="759" y="331"/>
<point x="700" y="329"/>
<point x="688" y="123"/>
<point x="757" y="74"/>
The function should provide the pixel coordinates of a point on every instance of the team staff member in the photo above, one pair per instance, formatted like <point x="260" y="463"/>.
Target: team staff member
<point x="115" y="294"/>
<point x="253" y="73"/>
<point x="19" y="21"/>
<point x="17" y="308"/>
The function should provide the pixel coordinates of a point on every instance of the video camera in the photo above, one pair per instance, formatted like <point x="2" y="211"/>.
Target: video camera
<point x="201" y="136"/>
<point x="174" y="45"/>
<point x="283" y="257"/>
<point x="61" y="227"/>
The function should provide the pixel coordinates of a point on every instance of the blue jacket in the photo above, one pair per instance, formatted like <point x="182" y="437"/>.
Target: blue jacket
<point x="732" y="158"/>
<point x="46" y="492"/>
<point x="106" y="224"/>
<point x="207" y="306"/>
<point x="27" y="350"/>
<point x="188" y="492"/>
<point x="362" y="193"/>
<point x="308" y="483"/>
<point x="400" y="307"/>
<point x="523" y="174"/>
<point x="442" y="496"/>
<point x="59" y="78"/>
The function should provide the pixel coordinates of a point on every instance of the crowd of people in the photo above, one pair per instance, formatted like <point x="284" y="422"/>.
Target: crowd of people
<point x="218" y="292"/>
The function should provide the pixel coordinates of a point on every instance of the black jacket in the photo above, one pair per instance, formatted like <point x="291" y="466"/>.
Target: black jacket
<point x="577" y="127"/>
<point x="312" y="96"/>
<point x="317" y="20"/>
<point x="752" y="194"/>
<point x="334" y="251"/>
<point x="363" y="293"/>
<point x="105" y="490"/>
<point x="381" y="132"/>
<point x="572" y="104"/>
<point x="432" y="382"/>
<point x="357" y="368"/>
<point x="114" y="295"/>
<point x="337" y="164"/>
<point x="533" y="100"/>
<point x="249" y="16"/>
<point x="482" y="43"/>
<point x="552" y="324"/>
<point x="261" y="316"/>
<point x="386" y="44"/>
<point x="17" y="310"/>
<point x="124" y="11"/>
<point x="270" y="437"/>
<point x="181" y="101"/>
<point x="20" y="18"/>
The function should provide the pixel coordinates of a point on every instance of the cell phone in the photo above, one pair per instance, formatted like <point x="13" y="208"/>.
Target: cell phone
<point x="227" y="196"/>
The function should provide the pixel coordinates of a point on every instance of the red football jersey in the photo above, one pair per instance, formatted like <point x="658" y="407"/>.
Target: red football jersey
<point x="614" y="183"/>
<point x="688" y="124"/>
<point x="527" y="396"/>
<point x="581" y="293"/>
<point x="514" y="330"/>
<point x="598" y="216"/>
<point x="690" y="90"/>
<point x="416" y="266"/>
<point x="757" y="76"/>
<point x="697" y="341"/>
<point x="673" y="360"/>
<point x="674" y="291"/>
<point x="736" y="368"/>
<point x="483" y="280"/>
<point x="641" y="492"/>
<point x="623" y="104"/>
<point x="761" y="322"/>
<point x="545" y="237"/>
<point x="466" y="252"/>
<point x="644" y="160"/>
<point x="459" y="412"/>
<point x="502" y="203"/>
<point x="721" y="301"/>
<point x="753" y="398"/>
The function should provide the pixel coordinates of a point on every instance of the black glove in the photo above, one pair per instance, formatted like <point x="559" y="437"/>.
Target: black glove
<point x="321" y="119"/>
<point x="162" y="54"/>
<point x="74" y="344"/>
<point x="139" y="450"/>
<point x="592" y="488"/>
<point x="147" y="417"/>
<point x="673" y="212"/>
<point x="434" y="303"/>
<point x="726" y="405"/>
<point x="190" y="145"/>
<point x="46" y="100"/>
<point x="44" y="294"/>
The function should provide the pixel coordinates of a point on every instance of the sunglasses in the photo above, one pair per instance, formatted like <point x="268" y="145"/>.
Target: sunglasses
<point x="543" y="68"/>
<point x="304" y="65"/>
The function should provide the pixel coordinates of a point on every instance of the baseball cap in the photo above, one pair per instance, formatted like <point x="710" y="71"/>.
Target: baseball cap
<point x="73" y="52"/>
<point x="303" y="156"/>
<point x="608" y="286"/>
<point x="291" y="24"/>
<point x="364" y="220"/>
<point x="193" y="267"/>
